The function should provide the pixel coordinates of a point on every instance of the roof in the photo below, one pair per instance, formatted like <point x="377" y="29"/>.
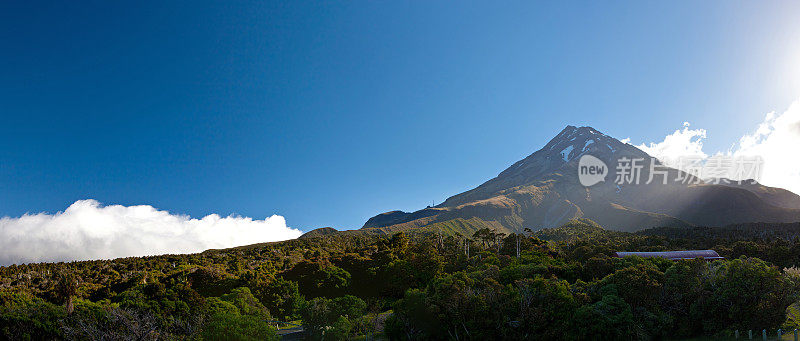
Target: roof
<point x="674" y="255"/>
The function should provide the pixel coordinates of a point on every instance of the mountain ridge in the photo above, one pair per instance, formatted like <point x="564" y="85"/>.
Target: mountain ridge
<point x="542" y="191"/>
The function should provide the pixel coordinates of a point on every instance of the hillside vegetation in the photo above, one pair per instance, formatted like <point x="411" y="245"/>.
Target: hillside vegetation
<point x="422" y="286"/>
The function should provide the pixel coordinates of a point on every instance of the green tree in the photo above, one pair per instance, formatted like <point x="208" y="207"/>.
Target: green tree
<point x="746" y="293"/>
<point x="608" y="319"/>
<point x="230" y="326"/>
<point x="319" y="278"/>
<point x="324" y="318"/>
<point x="65" y="290"/>
<point x="246" y="303"/>
<point x="546" y="308"/>
<point x="282" y="298"/>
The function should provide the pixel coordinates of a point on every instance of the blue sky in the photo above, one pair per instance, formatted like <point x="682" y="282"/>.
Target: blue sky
<point x="327" y="113"/>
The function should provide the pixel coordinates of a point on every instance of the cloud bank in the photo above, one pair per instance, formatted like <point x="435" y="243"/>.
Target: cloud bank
<point x="88" y="230"/>
<point x="776" y="140"/>
<point x="681" y="143"/>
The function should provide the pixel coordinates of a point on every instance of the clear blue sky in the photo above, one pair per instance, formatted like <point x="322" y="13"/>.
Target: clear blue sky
<point x="328" y="113"/>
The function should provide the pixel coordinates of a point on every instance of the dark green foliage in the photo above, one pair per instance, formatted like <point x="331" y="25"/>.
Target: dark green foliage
<point x="223" y="326"/>
<point x="281" y="297"/>
<point x="237" y="316"/>
<point x="747" y="293"/>
<point x="246" y="303"/>
<point x="332" y="319"/>
<point x="211" y="282"/>
<point x="319" y="278"/>
<point x="610" y="318"/>
<point x="552" y="284"/>
<point x="546" y="307"/>
<point x="23" y="317"/>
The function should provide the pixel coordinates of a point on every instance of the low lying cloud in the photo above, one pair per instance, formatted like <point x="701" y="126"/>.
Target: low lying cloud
<point x="776" y="141"/>
<point x="88" y="230"/>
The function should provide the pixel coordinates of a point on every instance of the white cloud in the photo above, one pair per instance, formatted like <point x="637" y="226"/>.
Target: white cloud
<point x="88" y="230"/>
<point x="686" y="143"/>
<point x="776" y="140"/>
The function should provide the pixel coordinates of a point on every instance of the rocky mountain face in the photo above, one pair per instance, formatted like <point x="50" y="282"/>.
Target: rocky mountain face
<point x="543" y="191"/>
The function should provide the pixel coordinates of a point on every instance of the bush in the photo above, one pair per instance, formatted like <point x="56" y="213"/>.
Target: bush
<point x="222" y="326"/>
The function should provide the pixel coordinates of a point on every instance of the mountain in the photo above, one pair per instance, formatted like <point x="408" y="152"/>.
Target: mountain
<point x="772" y="195"/>
<point x="320" y="232"/>
<point x="543" y="191"/>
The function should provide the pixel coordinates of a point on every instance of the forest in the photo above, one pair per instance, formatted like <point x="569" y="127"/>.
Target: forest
<point x="557" y="284"/>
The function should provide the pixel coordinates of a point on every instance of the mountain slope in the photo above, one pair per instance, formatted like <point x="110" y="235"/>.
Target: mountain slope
<point x="772" y="195"/>
<point x="543" y="191"/>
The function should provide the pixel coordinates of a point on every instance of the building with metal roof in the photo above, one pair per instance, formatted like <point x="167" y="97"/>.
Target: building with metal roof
<point x="674" y="255"/>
